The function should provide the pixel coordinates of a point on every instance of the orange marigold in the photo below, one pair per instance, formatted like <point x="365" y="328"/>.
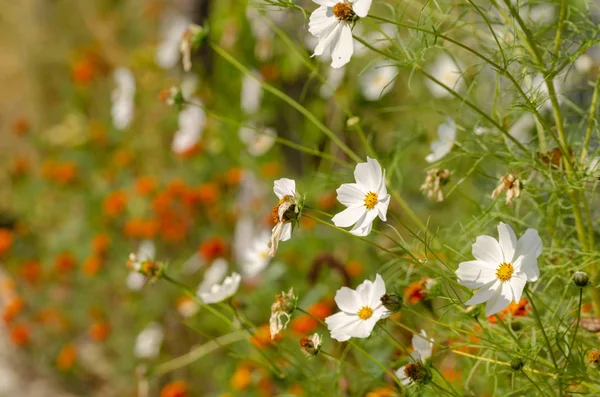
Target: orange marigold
<point x="99" y="331"/>
<point x="64" y="262"/>
<point x="66" y="357"/>
<point x="145" y="185"/>
<point x="31" y="271"/>
<point x="20" y="335"/>
<point x="91" y="265"/>
<point x="178" y="388"/>
<point x="13" y="308"/>
<point x="100" y="244"/>
<point x="212" y="249"/>
<point x="114" y="204"/>
<point x="6" y="240"/>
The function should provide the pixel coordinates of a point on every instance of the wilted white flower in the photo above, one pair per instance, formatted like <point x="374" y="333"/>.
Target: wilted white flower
<point x="284" y="305"/>
<point x="190" y="39"/>
<point x="123" y="98"/>
<point x="509" y="184"/>
<point x="258" y="142"/>
<point x="172" y="28"/>
<point x="366" y="199"/>
<point x="448" y="72"/>
<point x="284" y="212"/>
<point x="331" y="24"/>
<point x="415" y="372"/>
<point x="148" y="342"/>
<point x="361" y="309"/>
<point x="251" y="93"/>
<point x="501" y="268"/>
<point x="192" y="121"/>
<point x="434" y="182"/>
<point x="446" y="137"/>
<point x="378" y="80"/>
<point x="310" y="345"/>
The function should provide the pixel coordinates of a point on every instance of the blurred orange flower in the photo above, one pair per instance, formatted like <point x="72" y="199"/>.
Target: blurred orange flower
<point x="99" y="331"/>
<point x="212" y="249"/>
<point x="354" y="268"/>
<point x="178" y="388"/>
<point x="64" y="262"/>
<point x="327" y="201"/>
<point x="20" y="126"/>
<point x="20" y="335"/>
<point x="19" y="167"/>
<point x="520" y="309"/>
<point x="262" y="337"/>
<point x="91" y="265"/>
<point x="66" y="357"/>
<point x="31" y="271"/>
<point x="114" y="204"/>
<point x="100" y="244"/>
<point x="6" y="240"/>
<point x="13" y="308"/>
<point x="381" y="392"/>
<point x="145" y="185"/>
<point x="141" y="228"/>
<point x="208" y="193"/>
<point x="270" y="170"/>
<point x="241" y="378"/>
<point x="233" y="176"/>
<point x="305" y="324"/>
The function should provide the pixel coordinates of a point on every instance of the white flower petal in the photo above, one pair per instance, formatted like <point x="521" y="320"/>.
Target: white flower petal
<point x="517" y="284"/>
<point x="499" y="300"/>
<point x="361" y="7"/>
<point x="348" y="300"/>
<point x="284" y="187"/>
<point x="349" y="216"/>
<point x="475" y="274"/>
<point x="369" y="174"/>
<point x="484" y="293"/>
<point x="487" y="249"/>
<point x="351" y="194"/>
<point x="344" y="48"/>
<point x="508" y="241"/>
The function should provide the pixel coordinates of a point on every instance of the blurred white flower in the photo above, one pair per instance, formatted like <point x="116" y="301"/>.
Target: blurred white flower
<point x="171" y="31"/>
<point x="360" y="310"/>
<point x="123" y="98"/>
<point x="538" y="14"/>
<point x="366" y="199"/>
<point x="258" y="142"/>
<point x="501" y="268"/>
<point x="220" y="292"/>
<point x="214" y="288"/>
<point x="378" y="80"/>
<point x="521" y="129"/>
<point x="423" y="349"/>
<point x="331" y="24"/>
<point x="285" y="190"/>
<point x="251" y="94"/>
<point x="192" y="121"/>
<point x="448" y="72"/>
<point x="148" y="342"/>
<point x="256" y="258"/>
<point x="333" y="81"/>
<point x="446" y="137"/>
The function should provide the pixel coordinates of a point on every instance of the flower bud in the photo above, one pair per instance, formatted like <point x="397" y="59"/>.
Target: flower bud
<point x="581" y="279"/>
<point x="594" y="357"/>
<point x="416" y="372"/>
<point x="516" y="364"/>
<point x="310" y="346"/>
<point x="392" y="302"/>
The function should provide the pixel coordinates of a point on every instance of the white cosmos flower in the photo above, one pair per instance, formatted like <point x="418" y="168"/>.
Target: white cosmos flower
<point x="214" y="288"/>
<point x="258" y="142"/>
<point x="123" y="98"/>
<point x="501" y="268"/>
<point x="256" y="258"/>
<point x="378" y="80"/>
<point x="331" y="24"/>
<point x="172" y="28"/>
<point x="366" y="199"/>
<point x="146" y="252"/>
<point x="423" y="349"/>
<point x="446" y="137"/>
<point x="192" y="121"/>
<point x="147" y="343"/>
<point x="285" y="190"/>
<point x="360" y="310"/>
<point x="251" y="93"/>
<point x="448" y="72"/>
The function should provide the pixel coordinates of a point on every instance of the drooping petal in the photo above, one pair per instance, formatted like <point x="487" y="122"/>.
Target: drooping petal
<point x="487" y="249"/>
<point x="328" y="38"/>
<point x="508" y="241"/>
<point x="475" y="274"/>
<point x="363" y="231"/>
<point x="527" y="264"/>
<point x="284" y="187"/>
<point x="422" y="345"/>
<point x="382" y="207"/>
<point x="517" y="284"/>
<point x="361" y="7"/>
<point x="348" y="300"/>
<point x="344" y="48"/>
<point x="286" y="232"/>
<point x="322" y="22"/>
<point x="364" y="224"/>
<point x="500" y="300"/>
<point x="484" y="293"/>
<point x="376" y="292"/>
<point x="405" y="380"/>
<point x="349" y="216"/>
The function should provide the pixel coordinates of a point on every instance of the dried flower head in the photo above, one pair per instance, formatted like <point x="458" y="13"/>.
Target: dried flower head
<point x="509" y="184"/>
<point x="435" y="180"/>
<point x="284" y="213"/>
<point x="310" y="345"/>
<point x="284" y="305"/>
<point x="190" y="41"/>
<point x="594" y="357"/>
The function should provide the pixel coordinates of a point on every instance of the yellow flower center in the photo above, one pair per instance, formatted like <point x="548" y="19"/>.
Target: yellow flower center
<point x="505" y="271"/>
<point x="371" y="200"/>
<point x="365" y="313"/>
<point x="343" y="12"/>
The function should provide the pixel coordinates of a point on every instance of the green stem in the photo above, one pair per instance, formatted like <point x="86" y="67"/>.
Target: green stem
<point x="576" y="326"/>
<point x="536" y="314"/>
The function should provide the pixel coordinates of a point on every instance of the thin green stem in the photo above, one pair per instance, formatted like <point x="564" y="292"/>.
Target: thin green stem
<point x="538" y="318"/>
<point x="573" y="338"/>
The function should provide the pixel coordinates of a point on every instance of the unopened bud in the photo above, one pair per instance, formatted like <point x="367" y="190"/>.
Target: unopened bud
<point x="392" y="302"/>
<point x="516" y="364"/>
<point x="581" y="279"/>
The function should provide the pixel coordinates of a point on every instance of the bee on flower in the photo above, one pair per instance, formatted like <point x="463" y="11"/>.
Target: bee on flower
<point x="285" y="213"/>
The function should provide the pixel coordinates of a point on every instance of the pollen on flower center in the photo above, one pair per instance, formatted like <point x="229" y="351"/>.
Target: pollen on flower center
<point x="505" y="271"/>
<point x="343" y="12"/>
<point x="371" y="200"/>
<point x="365" y="313"/>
